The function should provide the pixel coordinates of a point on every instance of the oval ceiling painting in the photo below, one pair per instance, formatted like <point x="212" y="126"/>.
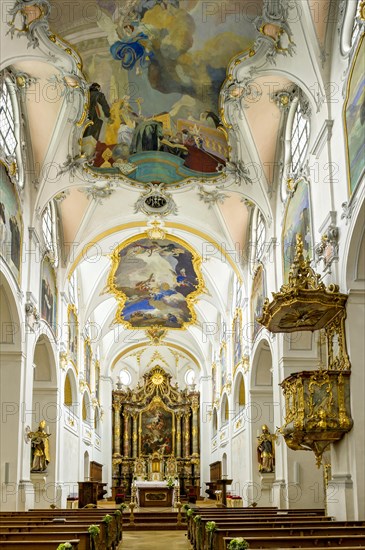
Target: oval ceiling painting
<point x="156" y="282"/>
<point x="155" y="70"/>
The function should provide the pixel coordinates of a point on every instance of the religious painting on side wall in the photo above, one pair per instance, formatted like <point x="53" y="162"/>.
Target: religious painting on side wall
<point x="223" y="363"/>
<point x="258" y="295"/>
<point x="237" y="338"/>
<point x="11" y="224"/>
<point x="297" y="221"/>
<point x="88" y="360"/>
<point x="155" y="282"/>
<point x="48" y="293"/>
<point x="354" y="118"/>
<point x="154" y="94"/>
<point x="73" y="328"/>
<point x="157" y="425"/>
<point x="97" y="380"/>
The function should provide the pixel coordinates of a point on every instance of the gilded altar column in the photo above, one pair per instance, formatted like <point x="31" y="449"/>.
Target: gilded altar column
<point x="195" y="431"/>
<point x="126" y="435"/>
<point x="135" y="435"/>
<point x="116" y="408"/>
<point x="186" y="434"/>
<point x="178" y="434"/>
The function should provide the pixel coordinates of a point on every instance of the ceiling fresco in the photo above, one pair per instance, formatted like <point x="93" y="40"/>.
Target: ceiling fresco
<point x="156" y="282"/>
<point x="155" y="70"/>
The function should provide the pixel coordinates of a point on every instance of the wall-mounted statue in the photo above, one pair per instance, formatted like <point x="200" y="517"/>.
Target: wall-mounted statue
<point x="40" y="448"/>
<point x="266" y="450"/>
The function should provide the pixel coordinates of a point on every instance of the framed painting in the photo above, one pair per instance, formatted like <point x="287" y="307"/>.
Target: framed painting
<point x="258" y="295"/>
<point x="97" y="380"/>
<point x="11" y="224"/>
<point x="73" y="331"/>
<point x="88" y="360"/>
<point x="156" y="282"/>
<point x="297" y="220"/>
<point x="354" y="119"/>
<point x="223" y="363"/>
<point x="157" y="425"/>
<point x="48" y="293"/>
<point x="237" y="338"/>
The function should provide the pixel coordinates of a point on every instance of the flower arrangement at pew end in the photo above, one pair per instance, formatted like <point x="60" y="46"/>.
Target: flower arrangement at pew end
<point x="64" y="546"/>
<point x="238" y="544"/>
<point x="197" y="518"/>
<point x="93" y="530"/>
<point x="189" y="513"/>
<point x="123" y="506"/>
<point x="185" y="507"/>
<point x="211" y="526"/>
<point x="107" y="519"/>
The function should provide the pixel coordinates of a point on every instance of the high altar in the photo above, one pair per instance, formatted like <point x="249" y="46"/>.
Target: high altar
<point x="155" y="434"/>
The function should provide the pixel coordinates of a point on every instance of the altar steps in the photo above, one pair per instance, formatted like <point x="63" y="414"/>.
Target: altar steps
<point x="153" y="521"/>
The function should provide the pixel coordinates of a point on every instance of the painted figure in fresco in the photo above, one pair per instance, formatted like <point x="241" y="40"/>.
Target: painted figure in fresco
<point x="47" y="302"/>
<point x="98" y="102"/>
<point x="40" y="447"/>
<point x="133" y="50"/>
<point x="15" y="242"/>
<point x="265" y="450"/>
<point x="3" y="229"/>
<point x="146" y="136"/>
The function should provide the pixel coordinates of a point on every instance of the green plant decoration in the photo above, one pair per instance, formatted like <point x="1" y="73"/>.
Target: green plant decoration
<point x="107" y="519"/>
<point x="185" y="507"/>
<point x="64" y="546"/>
<point x="211" y="526"/>
<point x="123" y="506"/>
<point x="189" y="513"/>
<point x="94" y="531"/>
<point x="238" y="544"/>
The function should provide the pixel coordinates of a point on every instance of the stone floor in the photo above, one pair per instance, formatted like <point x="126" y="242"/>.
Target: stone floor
<point x="154" y="540"/>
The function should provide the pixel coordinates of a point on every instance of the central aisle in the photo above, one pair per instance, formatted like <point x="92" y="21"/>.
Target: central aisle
<point x="154" y="540"/>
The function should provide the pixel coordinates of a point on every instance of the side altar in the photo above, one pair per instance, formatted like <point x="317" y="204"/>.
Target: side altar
<point x="155" y="434"/>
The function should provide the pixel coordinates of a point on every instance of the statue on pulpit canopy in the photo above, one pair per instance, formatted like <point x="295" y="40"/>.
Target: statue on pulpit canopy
<point x="266" y="450"/>
<point x="40" y="448"/>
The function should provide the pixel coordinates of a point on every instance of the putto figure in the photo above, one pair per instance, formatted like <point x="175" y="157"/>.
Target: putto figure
<point x="266" y="450"/>
<point x="40" y="448"/>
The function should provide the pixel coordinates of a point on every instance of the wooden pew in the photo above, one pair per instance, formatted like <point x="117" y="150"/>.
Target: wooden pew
<point x="37" y="544"/>
<point x="328" y="531"/>
<point x="35" y="537"/>
<point x="307" y="542"/>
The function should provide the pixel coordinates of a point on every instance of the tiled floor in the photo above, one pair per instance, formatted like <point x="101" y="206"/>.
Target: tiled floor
<point x="154" y="540"/>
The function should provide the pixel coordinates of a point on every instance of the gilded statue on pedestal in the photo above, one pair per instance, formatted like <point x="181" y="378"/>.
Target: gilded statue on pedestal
<point x="266" y="450"/>
<point x="40" y="448"/>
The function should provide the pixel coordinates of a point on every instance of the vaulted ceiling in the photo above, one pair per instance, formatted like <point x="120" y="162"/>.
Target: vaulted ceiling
<point x="207" y="73"/>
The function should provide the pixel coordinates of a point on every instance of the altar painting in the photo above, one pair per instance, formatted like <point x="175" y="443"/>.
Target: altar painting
<point x="354" y="119"/>
<point x="11" y="224"/>
<point x="297" y="222"/>
<point x="156" y="282"/>
<point x="48" y="293"/>
<point x="156" y="434"/>
<point x="154" y="97"/>
<point x="88" y="360"/>
<point x="257" y="299"/>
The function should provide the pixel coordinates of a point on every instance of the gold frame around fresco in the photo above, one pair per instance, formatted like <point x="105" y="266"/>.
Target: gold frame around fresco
<point x="157" y="401"/>
<point x="191" y="299"/>
<point x="72" y="308"/>
<point x="237" y="315"/>
<point x="348" y="86"/>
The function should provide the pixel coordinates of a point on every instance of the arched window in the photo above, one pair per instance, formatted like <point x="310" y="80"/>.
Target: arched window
<point x="9" y="124"/>
<point x="8" y="140"/>
<point x="190" y="377"/>
<point x="68" y="392"/>
<point x="260" y="235"/>
<point x="356" y="28"/>
<point x="224" y="410"/>
<point x="49" y="231"/>
<point x="72" y="289"/>
<point x="299" y="137"/>
<point x="124" y="377"/>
